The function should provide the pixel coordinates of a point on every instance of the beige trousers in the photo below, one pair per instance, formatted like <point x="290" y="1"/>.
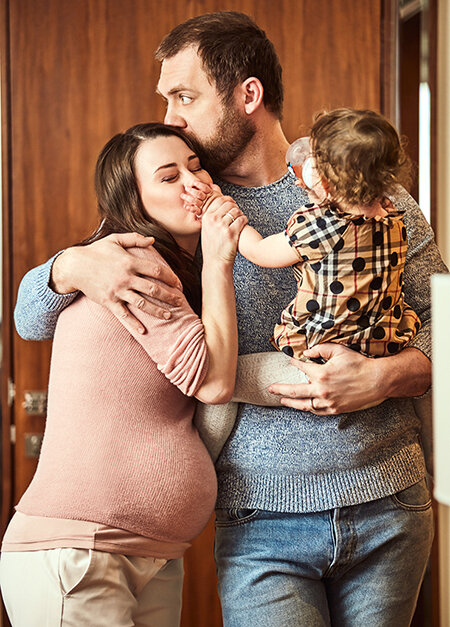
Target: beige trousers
<point x="87" y="588"/>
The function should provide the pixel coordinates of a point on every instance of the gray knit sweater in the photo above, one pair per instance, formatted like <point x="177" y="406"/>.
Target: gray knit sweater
<point x="278" y="458"/>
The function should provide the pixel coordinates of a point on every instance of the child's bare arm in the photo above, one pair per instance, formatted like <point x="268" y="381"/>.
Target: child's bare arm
<point x="273" y="251"/>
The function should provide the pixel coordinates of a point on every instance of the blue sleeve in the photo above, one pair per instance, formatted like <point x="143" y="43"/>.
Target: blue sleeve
<point x="38" y="306"/>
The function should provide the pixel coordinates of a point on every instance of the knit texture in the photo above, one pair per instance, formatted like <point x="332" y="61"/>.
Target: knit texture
<point x="281" y="459"/>
<point x="278" y="458"/>
<point x="119" y="447"/>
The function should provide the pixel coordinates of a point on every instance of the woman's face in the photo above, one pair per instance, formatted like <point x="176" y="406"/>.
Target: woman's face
<point x="164" y="166"/>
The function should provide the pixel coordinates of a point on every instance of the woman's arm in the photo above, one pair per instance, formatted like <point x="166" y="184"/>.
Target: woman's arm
<point x="199" y="356"/>
<point x="219" y="244"/>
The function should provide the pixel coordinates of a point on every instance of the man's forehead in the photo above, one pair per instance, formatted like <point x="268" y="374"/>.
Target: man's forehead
<point x="182" y="71"/>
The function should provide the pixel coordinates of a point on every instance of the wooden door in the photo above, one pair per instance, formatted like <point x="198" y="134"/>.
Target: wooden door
<point x="75" y="73"/>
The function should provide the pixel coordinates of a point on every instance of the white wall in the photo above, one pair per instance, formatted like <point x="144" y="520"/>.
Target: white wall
<point x="441" y="311"/>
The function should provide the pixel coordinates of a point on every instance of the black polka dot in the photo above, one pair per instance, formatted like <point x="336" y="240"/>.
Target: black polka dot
<point x="397" y="312"/>
<point x="386" y="302"/>
<point x="355" y="347"/>
<point x="328" y="213"/>
<point x="336" y="287"/>
<point x="363" y="322"/>
<point x="379" y="333"/>
<point x="376" y="283"/>
<point x="377" y="238"/>
<point x="358" y="264"/>
<point x="309" y="205"/>
<point x="394" y="259"/>
<point x="314" y="243"/>
<point x="353" y="304"/>
<point x="288" y="350"/>
<point x="404" y="234"/>
<point x="305" y="257"/>
<point x="359" y="221"/>
<point x="300" y="218"/>
<point x="339" y="245"/>
<point x="312" y="306"/>
<point x="321" y="223"/>
<point x="342" y="229"/>
<point x="392" y="347"/>
<point x="328" y="324"/>
<point x="295" y="322"/>
<point x="316" y="266"/>
<point x="292" y="238"/>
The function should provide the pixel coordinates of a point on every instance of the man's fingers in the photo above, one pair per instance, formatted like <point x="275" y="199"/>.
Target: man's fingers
<point x="299" y="390"/>
<point x="142" y="287"/>
<point x="124" y="315"/>
<point x="128" y="240"/>
<point x="160" y="272"/>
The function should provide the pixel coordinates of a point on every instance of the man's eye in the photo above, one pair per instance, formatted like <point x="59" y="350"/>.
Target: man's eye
<point x="185" y="99"/>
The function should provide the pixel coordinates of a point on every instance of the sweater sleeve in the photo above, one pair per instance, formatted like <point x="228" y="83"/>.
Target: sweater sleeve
<point x="177" y="345"/>
<point x="38" y="306"/>
<point x="423" y="259"/>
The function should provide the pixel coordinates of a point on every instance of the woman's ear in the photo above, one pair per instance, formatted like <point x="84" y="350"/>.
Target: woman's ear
<point x="252" y="93"/>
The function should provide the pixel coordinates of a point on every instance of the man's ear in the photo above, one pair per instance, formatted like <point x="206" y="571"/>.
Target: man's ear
<point x="252" y="93"/>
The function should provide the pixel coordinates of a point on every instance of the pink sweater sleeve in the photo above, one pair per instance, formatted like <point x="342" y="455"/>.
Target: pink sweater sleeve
<point x="177" y="345"/>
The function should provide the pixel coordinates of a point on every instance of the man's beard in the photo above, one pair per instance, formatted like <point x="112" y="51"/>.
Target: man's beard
<point x="231" y="137"/>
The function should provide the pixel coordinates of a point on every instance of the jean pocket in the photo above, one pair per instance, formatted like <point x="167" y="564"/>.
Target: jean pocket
<point x="234" y="516"/>
<point x="74" y="568"/>
<point x="415" y="498"/>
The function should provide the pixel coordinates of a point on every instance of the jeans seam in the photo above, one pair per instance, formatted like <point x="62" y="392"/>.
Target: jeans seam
<point x="410" y="507"/>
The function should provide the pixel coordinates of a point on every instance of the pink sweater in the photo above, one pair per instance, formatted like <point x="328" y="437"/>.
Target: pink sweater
<point x="120" y="448"/>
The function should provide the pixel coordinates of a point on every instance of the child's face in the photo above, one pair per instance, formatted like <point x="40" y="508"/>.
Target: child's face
<point x="302" y="165"/>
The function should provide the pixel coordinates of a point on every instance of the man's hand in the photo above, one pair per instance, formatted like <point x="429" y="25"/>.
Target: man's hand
<point x="110" y="276"/>
<point x="349" y="381"/>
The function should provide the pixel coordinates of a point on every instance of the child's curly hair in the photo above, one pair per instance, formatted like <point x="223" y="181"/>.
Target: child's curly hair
<point x="360" y="154"/>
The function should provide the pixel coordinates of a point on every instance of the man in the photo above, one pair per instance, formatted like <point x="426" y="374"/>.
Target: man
<point x="323" y="515"/>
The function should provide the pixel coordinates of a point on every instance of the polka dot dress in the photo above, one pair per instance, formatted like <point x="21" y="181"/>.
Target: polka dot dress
<point x="350" y="283"/>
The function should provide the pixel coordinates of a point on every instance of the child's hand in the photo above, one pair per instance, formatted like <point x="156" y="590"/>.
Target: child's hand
<point x="198" y="197"/>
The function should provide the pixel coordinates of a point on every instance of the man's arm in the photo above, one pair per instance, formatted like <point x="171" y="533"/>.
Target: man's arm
<point x="106" y="273"/>
<point x="349" y="381"/>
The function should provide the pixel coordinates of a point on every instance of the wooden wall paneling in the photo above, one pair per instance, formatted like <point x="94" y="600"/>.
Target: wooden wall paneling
<point x="6" y="322"/>
<point x="81" y="71"/>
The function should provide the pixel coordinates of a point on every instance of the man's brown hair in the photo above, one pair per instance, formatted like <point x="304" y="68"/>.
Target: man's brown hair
<point x="232" y="48"/>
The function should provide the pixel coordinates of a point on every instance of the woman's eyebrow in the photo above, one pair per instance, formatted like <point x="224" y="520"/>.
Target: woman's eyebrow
<point x="173" y="165"/>
<point x="167" y="165"/>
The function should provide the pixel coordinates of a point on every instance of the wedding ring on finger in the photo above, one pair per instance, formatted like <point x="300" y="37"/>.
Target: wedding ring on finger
<point x="312" y="409"/>
<point x="231" y="216"/>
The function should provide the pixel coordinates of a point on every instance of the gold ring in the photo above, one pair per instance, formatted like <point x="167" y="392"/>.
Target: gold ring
<point x="231" y="216"/>
<point x="312" y="409"/>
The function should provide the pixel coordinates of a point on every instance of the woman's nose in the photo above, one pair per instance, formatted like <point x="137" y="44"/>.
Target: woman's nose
<point x="189" y="178"/>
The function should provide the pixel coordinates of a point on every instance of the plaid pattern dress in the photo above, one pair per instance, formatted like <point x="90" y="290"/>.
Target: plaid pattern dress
<point x="350" y="283"/>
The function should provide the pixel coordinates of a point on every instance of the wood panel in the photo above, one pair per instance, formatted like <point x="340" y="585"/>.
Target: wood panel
<point x="82" y="71"/>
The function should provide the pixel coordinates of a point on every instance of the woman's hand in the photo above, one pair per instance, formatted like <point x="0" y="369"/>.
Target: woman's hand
<point x="222" y="223"/>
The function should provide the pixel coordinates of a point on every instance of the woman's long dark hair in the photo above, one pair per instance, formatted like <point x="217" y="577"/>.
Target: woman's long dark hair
<point x="121" y="209"/>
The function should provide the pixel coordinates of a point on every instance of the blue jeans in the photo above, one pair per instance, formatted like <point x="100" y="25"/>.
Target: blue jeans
<point x="358" y="566"/>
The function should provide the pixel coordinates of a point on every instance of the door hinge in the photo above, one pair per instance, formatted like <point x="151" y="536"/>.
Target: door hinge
<point x="11" y="392"/>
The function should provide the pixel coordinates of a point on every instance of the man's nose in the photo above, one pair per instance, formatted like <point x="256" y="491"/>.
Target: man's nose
<point x="174" y="119"/>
